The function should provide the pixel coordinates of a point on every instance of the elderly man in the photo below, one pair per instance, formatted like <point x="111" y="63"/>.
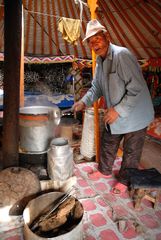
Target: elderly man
<point x="118" y="78"/>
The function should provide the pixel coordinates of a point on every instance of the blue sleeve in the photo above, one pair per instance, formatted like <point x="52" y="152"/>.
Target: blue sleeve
<point x="130" y="71"/>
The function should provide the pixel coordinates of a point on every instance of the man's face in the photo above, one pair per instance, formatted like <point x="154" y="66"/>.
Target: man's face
<point x="99" y="43"/>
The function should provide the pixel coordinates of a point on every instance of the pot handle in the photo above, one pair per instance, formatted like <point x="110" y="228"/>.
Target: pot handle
<point x="54" y="115"/>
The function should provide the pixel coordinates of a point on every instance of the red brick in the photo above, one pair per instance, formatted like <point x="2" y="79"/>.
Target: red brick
<point x="130" y="233"/>
<point x="77" y="173"/>
<point x="85" y="226"/>
<point x="125" y="195"/>
<point x="110" y="214"/>
<point x="101" y="202"/>
<point x="88" y="205"/>
<point x="149" y="221"/>
<point x="120" y="211"/>
<point x="89" y="192"/>
<point x="158" y="236"/>
<point x="108" y="234"/>
<point x="109" y="197"/>
<point x="90" y="238"/>
<point x="130" y="205"/>
<point x="98" y="220"/>
<point x="82" y="183"/>
<point x="112" y="182"/>
<point x="101" y="186"/>
<point x="95" y="165"/>
<point x="147" y="203"/>
<point x="158" y="214"/>
<point x="87" y="169"/>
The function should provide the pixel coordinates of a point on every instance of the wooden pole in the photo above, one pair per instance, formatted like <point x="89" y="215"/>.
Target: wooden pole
<point x="12" y="62"/>
<point x="22" y="64"/>
<point x="93" y="5"/>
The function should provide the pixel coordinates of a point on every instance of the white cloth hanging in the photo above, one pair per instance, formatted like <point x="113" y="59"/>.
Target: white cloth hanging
<point x="70" y="29"/>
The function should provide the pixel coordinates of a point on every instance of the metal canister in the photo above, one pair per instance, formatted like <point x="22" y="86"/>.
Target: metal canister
<point x="60" y="160"/>
<point x="37" y="127"/>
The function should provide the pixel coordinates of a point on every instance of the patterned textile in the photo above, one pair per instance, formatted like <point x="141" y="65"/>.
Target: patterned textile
<point x="154" y="128"/>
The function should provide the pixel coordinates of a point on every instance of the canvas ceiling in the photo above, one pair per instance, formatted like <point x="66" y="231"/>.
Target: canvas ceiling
<point x="135" y="24"/>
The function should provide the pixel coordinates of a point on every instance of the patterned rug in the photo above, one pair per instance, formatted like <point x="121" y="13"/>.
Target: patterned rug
<point x="154" y="129"/>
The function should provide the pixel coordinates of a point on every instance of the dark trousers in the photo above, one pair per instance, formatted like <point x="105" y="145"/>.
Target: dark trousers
<point x="132" y="149"/>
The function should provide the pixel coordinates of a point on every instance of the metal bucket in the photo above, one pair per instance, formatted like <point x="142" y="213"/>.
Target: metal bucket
<point x="33" y="210"/>
<point x="37" y="127"/>
<point x="60" y="160"/>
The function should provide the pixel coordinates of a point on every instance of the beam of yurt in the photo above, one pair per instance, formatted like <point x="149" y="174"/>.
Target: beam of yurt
<point x="22" y="63"/>
<point x="12" y="63"/>
<point x="93" y="5"/>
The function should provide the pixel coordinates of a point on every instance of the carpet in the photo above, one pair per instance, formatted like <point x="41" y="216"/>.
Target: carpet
<point x="154" y="129"/>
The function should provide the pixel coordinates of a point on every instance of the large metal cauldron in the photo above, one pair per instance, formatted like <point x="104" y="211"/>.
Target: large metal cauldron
<point x="37" y="127"/>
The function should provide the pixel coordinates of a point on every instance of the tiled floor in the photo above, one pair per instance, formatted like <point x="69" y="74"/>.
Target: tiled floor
<point x="106" y="216"/>
<point x="112" y="217"/>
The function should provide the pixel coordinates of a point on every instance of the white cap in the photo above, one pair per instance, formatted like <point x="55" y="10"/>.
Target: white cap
<point x="93" y="27"/>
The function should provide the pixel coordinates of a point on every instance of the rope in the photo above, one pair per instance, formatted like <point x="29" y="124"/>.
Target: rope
<point x="81" y="7"/>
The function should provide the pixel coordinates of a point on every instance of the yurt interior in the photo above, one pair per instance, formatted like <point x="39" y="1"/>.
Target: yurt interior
<point x="47" y="149"/>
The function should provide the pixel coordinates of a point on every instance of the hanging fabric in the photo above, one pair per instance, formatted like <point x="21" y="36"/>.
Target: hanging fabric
<point x="70" y="29"/>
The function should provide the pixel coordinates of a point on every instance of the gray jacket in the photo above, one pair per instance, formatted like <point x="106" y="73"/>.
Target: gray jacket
<point x="119" y="79"/>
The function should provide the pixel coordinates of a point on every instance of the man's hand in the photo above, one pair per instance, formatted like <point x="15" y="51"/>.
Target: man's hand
<point x="110" y="116"/>
<point x="78" y="106"/>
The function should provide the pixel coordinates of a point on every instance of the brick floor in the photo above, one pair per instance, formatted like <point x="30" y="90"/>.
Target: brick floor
<point x="104" y="212"/>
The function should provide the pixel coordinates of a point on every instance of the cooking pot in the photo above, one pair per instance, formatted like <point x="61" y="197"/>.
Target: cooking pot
<point x="41" y="113"/>
<point x="37" y="127"/>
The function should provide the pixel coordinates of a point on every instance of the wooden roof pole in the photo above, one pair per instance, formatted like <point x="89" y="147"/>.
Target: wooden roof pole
<point x="12" y="62"/>
<point x="93" y="5"/>
<point x="22" y="64"/>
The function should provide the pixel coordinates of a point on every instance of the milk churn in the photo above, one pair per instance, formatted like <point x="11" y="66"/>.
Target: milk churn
<point x="60" y="160"/>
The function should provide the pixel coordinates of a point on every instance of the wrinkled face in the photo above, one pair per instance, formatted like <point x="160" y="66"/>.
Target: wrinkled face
<point x="99" y="43"/>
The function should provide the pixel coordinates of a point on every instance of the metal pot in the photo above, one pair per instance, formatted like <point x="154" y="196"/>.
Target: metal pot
<point x="42" y="202"/>
<point x="37" y="127"/>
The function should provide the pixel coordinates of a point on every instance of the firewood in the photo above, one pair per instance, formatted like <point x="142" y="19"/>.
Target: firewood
<point x="78" y="210"/>
<point x="59" y="217"/>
